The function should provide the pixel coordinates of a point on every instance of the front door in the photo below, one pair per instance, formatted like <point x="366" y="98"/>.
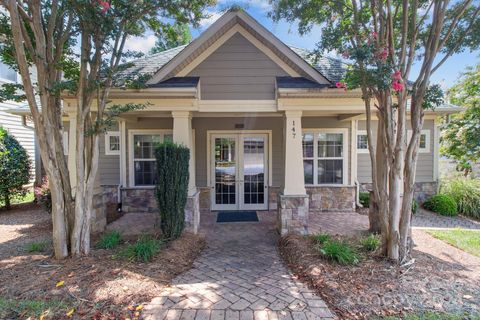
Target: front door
<point x="239" y="171"/>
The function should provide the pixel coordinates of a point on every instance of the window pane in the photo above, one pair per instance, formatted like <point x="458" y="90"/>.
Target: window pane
<point x="423" y="141"/>
<point x="330" y="171"/>
<point x="144" y="146"/>
<point x="114" y="143"/>
<point x="362" y="142"/>
<point x="7" y="73"/>
<point x="308" y="171"/>
<point x="145" y="172"/>
<point x="330" y="145"/>
<point x="307" y="145"/>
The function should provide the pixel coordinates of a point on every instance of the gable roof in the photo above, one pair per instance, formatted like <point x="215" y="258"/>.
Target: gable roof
<point x="242" y="21"/>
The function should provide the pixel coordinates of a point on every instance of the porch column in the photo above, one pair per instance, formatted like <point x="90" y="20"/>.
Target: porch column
<point x="182" y="134"/>
<point x="293" y="203"/>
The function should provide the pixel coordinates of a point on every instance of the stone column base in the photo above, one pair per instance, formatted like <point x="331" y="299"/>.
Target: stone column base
<point x="192" y="213"/>
<point x="293" y="214"/>
<point x="99" y="214"/>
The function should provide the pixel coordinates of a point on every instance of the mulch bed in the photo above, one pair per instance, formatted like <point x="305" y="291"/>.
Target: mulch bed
<point x="100" y="285"/>
<point x="377" y="288"/>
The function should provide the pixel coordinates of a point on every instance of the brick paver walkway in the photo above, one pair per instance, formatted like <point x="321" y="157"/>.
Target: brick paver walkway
<point x="238" y="276"/>
<point x="428" y="220"/>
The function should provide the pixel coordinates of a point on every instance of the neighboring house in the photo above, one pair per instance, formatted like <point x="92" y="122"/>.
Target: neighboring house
<point x="17" y="125"/>
<point x="267" y="129"/>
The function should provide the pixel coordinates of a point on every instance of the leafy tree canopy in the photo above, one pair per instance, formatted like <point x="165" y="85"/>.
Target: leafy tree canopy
<point x="461" y="136"/>
<point x="178" y="34"/>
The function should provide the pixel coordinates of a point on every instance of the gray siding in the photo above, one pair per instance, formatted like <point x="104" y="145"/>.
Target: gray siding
<point x="108" y="165"/>
<point x="237" y="70"/>
<point x="202" y="125"/>
<point x="424" y="171"/>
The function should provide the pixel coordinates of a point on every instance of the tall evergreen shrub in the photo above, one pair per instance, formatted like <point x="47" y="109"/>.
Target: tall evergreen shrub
<point x="172" y="187"/>
<point x="14" y="167"/>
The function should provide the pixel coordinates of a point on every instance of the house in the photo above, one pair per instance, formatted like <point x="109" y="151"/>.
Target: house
<point x="268" y="129"/>
<point x="17" y="125"/>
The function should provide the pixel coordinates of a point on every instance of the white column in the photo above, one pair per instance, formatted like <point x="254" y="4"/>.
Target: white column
<point x="72" y="150"/>
<point x="294" y="176"/>
<point x="123" y="154"/>
<point x="182" y="134"/>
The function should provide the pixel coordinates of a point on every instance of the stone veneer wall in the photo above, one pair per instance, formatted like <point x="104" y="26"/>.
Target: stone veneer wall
<point x="292" y="215"/>
<point x="205" y="199"/>
<point x="423" y="190"/>
<point x="139" y="200"/>
<point x="327" y="198"/>
<point x="99" y="215"/>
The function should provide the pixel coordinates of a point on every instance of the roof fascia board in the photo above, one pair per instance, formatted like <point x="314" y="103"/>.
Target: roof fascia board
<point x="224" y="38"/>
<point x="311" y="71"/>
<point x="189" y="49"/>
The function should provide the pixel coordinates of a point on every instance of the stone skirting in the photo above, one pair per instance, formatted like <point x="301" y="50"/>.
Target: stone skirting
<point x="423" y="190"/>
<point x="139" y="200"/>
<point x="192" y="213"/>
<point x="329" y="198"/>
<point x="205" y="198"/>
<point x="292" y="217"/>
<point x="99" y="214"/>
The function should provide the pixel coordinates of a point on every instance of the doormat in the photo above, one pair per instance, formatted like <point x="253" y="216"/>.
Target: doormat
<point x="237" y="216"/>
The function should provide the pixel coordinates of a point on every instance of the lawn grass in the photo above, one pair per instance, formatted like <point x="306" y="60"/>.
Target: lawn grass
<point x="28" y="197"/>
<point x="31" y="308"/>
<point x="466" y="240"/>
<point x="434" y="316"/>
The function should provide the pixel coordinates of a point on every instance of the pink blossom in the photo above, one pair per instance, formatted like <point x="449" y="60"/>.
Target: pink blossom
<point x="397" y="75"/>
<point x="397" y="86"/>
<point x="374" y="35"/>
<point x="341" y="85"/>
<point x="105" y="5"/>
<point x="383" y="54"/>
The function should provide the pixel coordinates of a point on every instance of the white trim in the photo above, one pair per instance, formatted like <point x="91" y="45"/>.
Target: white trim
<point x="345" y="158"/>
<point x="131" y="133"/>
<point x="236" y="105"/>
<point x="123" y="153"/>
<point x="353" y="151"/>
<point x="363" y="133"/>
<point x="426" y="132"/>
<point x="108" y="150"/>
<point x="436" y="145"/>
<point x="65" y="142"/>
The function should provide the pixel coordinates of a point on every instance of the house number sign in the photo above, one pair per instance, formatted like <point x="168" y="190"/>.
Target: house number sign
<point x="294" y="130"/>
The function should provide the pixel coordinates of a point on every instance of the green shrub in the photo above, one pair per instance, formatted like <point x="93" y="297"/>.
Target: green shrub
<point x="442" y="204"/>
<point x="14" y="167"/>
<point x="143" y="250"/>
<point x="172" y="187"/>
<point x="370" y="243"/>
<point x="110" y="240"/>
<point x="414" y="206"/>
<point x="339" y="251"/>
<point x="321" y="238"/>
<point x="364" y="198"/>
<point x="466" y="192"/>
<point x="36" y="246"/>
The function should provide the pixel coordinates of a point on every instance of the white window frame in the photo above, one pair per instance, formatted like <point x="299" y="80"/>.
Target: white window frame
<point x="362" y="133"/>
<point x="108" y="151"/>
<point x="65" y="142"/>
<point x="345" y="157"/>
<point x="426" y="132"/>
<point x="5" y="80"/>
<point x="131" y="160"/>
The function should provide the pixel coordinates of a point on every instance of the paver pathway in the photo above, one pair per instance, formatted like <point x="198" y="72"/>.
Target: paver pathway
<point x="238" y="276"/>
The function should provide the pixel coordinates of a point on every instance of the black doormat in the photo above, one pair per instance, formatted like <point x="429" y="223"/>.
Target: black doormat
<point x="237" y="216"/>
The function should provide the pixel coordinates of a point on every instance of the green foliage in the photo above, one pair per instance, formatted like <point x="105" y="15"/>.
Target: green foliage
<point x="414" y="206"/>
<point x="23" y="309"/>
<point x="434" y="316"/>
<point x="178" y="34"/>
<point x="321" y="238"/>
<point x="364" y="198"/>
<point x="14" y="167"/>
<point x="36" y="246"/>
<point x="461" y="135"/>
<point x="339" y="251"/>
<point x="143" y="250"/>
<point x="370" y="242"/>
<point x="110" y="240"/>
<point x="466" y="193"/>
<point x="172" y="187"/>
<point x="442" y="204"/>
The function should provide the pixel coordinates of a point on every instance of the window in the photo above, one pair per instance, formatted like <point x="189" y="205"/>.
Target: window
<point x="143" y="164"/>
<point x="112" y="143"/>
<point x="424" y="143"/>
<point x="7" y="73"/>
<point x="362" y="141"/>
<point x="324" y="154"/>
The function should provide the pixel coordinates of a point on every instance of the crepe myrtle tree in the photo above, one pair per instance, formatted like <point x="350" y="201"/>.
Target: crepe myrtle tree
<point x="78" y="48"/>
<point x="383" y="40"/>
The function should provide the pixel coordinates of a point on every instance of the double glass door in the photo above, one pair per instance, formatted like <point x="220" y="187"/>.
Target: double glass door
<point x="239" y="171"/>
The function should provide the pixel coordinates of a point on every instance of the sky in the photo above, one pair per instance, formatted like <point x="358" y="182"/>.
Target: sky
<point x="287" y="32"/>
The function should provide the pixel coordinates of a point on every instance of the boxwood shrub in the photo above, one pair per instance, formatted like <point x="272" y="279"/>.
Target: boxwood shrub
<point x="442" y="204"/>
